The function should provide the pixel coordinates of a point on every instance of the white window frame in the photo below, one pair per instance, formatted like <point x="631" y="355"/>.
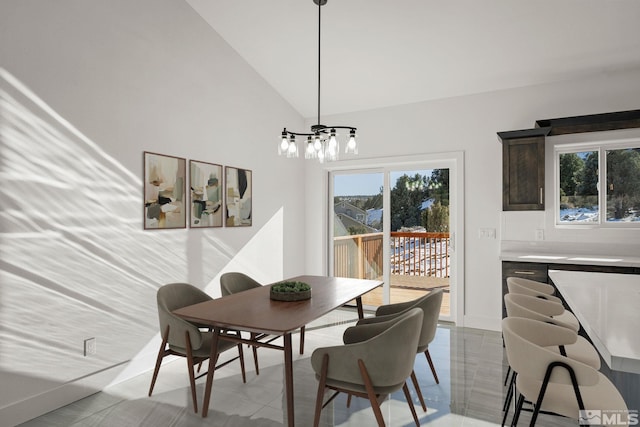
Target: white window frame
<point x="601" y="147"/>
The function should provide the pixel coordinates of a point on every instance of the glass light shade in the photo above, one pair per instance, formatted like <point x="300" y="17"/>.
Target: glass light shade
<point x="310" y="152"/>
<point x="352" y="145"/>
<point x="317" y="142"/>
<point x="292" y="150"/>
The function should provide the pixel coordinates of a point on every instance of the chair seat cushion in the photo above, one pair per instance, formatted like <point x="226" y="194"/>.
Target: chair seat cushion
<point x="568" y="318"/>
<point x="603" y="395"/>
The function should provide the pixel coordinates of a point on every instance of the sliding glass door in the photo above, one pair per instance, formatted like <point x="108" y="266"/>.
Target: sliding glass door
<point x="396" y="224"/>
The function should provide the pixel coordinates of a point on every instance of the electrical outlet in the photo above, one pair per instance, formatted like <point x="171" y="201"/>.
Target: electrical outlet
<point x="539" y="234"/>
<point x="90" y="347"/>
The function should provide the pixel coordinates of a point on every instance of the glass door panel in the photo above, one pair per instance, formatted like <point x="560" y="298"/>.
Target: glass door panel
<point x="419" y="235"/>
<point x="357" y="229"/>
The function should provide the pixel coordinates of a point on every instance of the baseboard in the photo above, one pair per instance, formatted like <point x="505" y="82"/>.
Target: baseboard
<point x="34" y="406"/>
<point x="481" y="322"/>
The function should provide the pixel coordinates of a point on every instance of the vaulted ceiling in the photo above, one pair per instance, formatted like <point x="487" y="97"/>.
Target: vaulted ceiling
<point x="378" y="53"/>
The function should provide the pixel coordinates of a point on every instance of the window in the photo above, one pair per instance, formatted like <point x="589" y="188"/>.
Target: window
<point x="581" y="171"/>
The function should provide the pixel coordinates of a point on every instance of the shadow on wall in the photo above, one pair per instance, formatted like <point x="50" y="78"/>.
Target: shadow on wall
<point x="75" y="262"/>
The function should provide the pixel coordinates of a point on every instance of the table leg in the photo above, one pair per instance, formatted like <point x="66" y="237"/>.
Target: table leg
<point x="359" y="305"/>
<point x="213" y="356"/>
<point x="288" y="378"/>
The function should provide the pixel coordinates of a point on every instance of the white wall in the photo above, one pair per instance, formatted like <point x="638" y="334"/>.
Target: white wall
<point x="86" y="87"/>
<point x="470" y="124"/>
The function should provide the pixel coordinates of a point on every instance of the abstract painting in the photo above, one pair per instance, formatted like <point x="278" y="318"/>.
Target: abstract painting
<point x="164" y="191"/>
<point x="205" y="180"/>
<point x="238" y="197"/>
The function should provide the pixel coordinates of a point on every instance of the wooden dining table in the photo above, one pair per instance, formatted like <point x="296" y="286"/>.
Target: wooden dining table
<point x="253" y="311"/>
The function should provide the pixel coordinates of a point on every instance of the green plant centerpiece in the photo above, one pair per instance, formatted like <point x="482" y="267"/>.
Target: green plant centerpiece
<point x="290" y="291"/>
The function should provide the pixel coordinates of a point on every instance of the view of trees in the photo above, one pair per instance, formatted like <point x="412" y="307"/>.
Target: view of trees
<point x="579" y="182"/>
<point x="407" y="198"/>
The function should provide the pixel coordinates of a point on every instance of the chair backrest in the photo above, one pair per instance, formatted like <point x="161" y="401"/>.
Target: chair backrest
<point x="541" y="287"/>
<point x="234" y="282"/>
<point x="525" y="341"/>
<point x="430" y="305"/>
<point x="517" y="288"/>
<point x="534" y="308"/>
<point x="172" y="297"/>
<point x="388" y="351"/>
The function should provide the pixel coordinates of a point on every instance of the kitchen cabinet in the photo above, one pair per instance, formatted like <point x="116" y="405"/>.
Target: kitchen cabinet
<point x="523" y="169"/>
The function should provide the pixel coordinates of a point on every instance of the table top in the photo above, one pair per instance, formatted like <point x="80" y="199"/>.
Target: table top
<point x="254" y="311"/>
<point x="607" y="306"/>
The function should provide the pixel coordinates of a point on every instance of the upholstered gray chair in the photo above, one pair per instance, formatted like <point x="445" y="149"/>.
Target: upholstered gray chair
<point x="553" y="382"/>
<point x="183" y="338"/>
<point x="375" y="361"/>
<point x="430" y="305"/>
<point x="234" y="282"/>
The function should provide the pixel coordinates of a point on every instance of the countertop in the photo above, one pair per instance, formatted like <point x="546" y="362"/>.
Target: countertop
<point x="606" y="304"/>
<point x="571" y="253"/>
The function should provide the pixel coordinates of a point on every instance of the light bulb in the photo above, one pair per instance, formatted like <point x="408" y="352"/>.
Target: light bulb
<point x="352" y="146"/>
<point x="317" y="143"/>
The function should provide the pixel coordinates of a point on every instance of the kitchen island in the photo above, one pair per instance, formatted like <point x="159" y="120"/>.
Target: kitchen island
<point x="608" y="308"/>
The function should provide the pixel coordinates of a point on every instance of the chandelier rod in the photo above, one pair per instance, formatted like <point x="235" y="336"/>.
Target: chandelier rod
<point x="319" y="22"/>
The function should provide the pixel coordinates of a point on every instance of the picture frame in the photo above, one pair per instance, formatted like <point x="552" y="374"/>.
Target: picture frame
<point x="238" y="197"/>
<point x="206" y="194"/>
<point x="164" y="191"/>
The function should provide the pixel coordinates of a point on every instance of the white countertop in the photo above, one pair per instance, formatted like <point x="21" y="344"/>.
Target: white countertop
<point x="608" y="308"/>
<point x="618" y="255"/>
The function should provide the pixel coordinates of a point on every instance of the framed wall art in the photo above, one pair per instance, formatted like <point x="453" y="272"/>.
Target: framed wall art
<point x="205" y="180"/>
<point x="164" y="191"/>
<point x="238" y="194"/>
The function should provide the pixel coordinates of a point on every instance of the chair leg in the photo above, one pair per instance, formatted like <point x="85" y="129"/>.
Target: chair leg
<point x="371" y="394"/>
<point x="414" y="380"/>
<point x="192" y="378"/>
<point x="508" y="398"/>
<point x="407" y="395"/>
<point x="161" y="354"/>
<point x="516" y="414"/>
<point x="433" y="369"/>
<point x="349" y="400"/>
<point x="255" y="354"/>
<point x="321" y="384"/>
<point x="302" y="340"/>
<point x="506" y="378"/>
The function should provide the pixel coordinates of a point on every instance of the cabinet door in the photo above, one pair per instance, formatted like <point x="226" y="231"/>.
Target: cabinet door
<point x="527" y="270"/>
<point x="523" y="174"/>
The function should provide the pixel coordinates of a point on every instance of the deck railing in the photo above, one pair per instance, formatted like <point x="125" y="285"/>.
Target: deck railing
<point x="414" y="254"/>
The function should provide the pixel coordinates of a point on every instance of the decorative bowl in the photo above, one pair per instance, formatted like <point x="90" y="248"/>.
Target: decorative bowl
<point x="290" y="291"/>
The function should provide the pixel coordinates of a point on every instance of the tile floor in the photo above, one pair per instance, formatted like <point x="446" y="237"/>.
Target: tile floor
<point x="469" y="363"/>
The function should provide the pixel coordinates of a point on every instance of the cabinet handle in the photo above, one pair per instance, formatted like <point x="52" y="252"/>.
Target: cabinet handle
<point x="526" y="272"/>
<point x="541" y="198"/>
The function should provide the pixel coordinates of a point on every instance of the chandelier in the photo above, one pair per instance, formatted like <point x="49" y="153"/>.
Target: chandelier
<point x="322" y="142"/>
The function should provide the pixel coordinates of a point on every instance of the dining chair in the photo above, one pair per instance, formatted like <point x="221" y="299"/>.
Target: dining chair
<point x="186" y="339"/>
<point x="235" y="282"/>
<point x="552" y="382"/>
<point x="430" y="305"/>
<point x="374" y="361"/>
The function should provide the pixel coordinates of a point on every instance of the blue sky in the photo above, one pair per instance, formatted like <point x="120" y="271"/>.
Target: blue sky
<point x="367" y="184"/>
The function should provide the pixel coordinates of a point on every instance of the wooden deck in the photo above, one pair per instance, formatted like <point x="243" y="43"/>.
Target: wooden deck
<point x="407" y="288"/>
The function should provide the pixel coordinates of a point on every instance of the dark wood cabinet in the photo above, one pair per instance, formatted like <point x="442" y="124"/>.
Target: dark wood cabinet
<point x="527" y="270"/>
<point x="523" y="169"/>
